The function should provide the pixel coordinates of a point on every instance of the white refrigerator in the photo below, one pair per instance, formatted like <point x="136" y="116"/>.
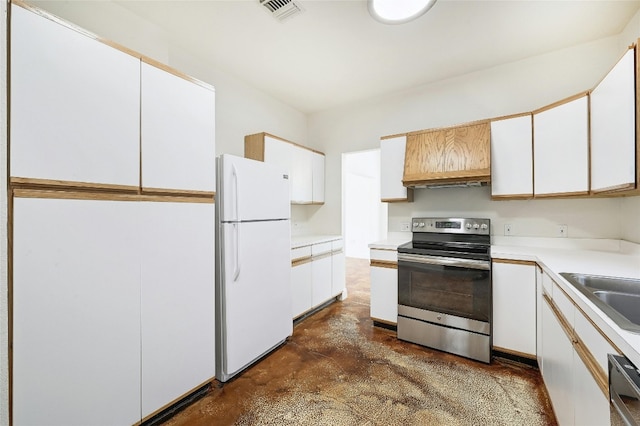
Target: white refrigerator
<point x="253" y="262"/>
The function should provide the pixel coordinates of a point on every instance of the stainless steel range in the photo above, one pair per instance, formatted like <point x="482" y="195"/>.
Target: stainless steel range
<point x="444" y="286"/>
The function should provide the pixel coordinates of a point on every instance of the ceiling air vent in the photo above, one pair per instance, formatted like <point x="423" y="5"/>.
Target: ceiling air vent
<point x="282" y="9"/>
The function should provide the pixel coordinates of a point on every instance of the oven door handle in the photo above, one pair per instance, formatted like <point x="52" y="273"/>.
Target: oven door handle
<point x="445" y="261"/>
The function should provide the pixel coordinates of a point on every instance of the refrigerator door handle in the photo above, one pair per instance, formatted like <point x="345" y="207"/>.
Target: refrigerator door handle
<point x="236" y="237"/>
<point x="234" y="173"/>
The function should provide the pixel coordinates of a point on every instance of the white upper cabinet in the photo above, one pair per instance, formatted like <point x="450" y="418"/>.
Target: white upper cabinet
<point x="178" y="132"/>
<point x="392" y="152"/>
<point x="280" y="154"/>
<point x="304" y="166"/>
<point x="75" y="105"/>
<point x="302" y="179"/>
<point x="512" y="157"/>
<point x="613" y="124"/>
<point x="318" y="177"/>
<point x="561" y="149"/>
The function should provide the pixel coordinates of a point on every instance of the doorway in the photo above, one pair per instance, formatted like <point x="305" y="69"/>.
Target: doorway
<point x="364" y="216"/>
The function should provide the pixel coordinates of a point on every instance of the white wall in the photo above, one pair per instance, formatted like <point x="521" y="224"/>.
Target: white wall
<point x="364" y="216"/>
<point x="506" y="89"/>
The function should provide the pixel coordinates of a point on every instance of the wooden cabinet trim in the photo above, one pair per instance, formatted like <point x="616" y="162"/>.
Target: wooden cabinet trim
<point x="383" y="264"/>
<point x="616" y="188"/>
<point x="106" y="196"/>
<point x="254" y="146"/>
<point x="592" y="365"/>
<point x="110" y="43"/>
<point x="637" y="115"/>
<point x="507" y="117"/>
<point x="514" y="262"/>
<point x="561" y="102"/>
<point x="516" y="353"/>
<point x="563" y="195"/>
<point x="511" y="197"/>
<point x="301" y="261"/>
<point x="209" y="381"/>
<point x="393" y="136"/>
<point x="260" y="137"/>
<point x="409" y="198"/>
<point x="386" y="322"/>
<point x="51" y="184"/>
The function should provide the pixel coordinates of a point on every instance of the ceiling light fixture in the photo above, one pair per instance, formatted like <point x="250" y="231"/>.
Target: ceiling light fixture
<point x="398" y="11"/>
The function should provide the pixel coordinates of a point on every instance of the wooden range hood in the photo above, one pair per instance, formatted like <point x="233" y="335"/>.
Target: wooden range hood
<point x="453" y="156"/>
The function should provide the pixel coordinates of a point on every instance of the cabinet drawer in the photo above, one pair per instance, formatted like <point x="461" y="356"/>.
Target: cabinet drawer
<point x="300" y="252"/>
<point x="380" y="254"/>
<point x="594" y="341"/>
<point x="337" y="245"/>
<point x="321" y="248"/>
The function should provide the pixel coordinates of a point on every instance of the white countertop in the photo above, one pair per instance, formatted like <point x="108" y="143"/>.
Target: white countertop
<point x="307" y="240"/>
<point x="390" y="244"/>
<point x="588" y="259"/>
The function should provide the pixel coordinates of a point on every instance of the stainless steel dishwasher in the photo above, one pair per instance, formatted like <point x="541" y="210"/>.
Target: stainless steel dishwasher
<point x="624" y="390"/>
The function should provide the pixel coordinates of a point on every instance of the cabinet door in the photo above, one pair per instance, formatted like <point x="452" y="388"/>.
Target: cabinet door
<point x="302" y="180"/>
<point x="514" y="307"/>
<point x="178" y="132"/>
<point x="75" y="105"/>
<point x="558" y="366"/>
<point x="337" y="273"/>
<point x="512" y="157"/>
<point x="561" y="149"/>
<point x="76" y="312"/>
<point x="392" y="152"/>
<point x="280" y="154"/>
<point x="318" y="177"/>
<point x="613" y="124"/>
<point x="177" y="299"/>
<point x="539" y="301"/>
<point x="321" y="280"/>
<point x="301" y="288"/>
<point x="384" y="294"/>
<point x="591" y="405"/>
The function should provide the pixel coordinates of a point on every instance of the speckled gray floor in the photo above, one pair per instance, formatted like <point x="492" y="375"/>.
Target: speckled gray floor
<point x="337" y="369"/>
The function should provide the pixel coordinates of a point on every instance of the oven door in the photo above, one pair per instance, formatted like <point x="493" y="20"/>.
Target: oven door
<point x="459" y="287"/>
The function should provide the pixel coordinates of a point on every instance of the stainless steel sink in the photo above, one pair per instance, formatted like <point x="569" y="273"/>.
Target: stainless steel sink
<point x="618" y="298"/>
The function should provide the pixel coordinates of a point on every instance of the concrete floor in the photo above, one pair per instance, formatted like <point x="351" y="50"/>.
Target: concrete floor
<point x="339" y="369"/>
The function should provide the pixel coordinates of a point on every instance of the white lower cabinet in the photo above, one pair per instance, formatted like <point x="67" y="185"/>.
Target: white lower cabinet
<point x="76" y="312"/>
<point x="320" y="280"/>
<point x="514" y="307"/>
<point x="558" y="367"/>
<point x="317" y="275"/>
<point x="384" y="294"/>
<point x="113" y="308"/>
<point x="301" y="288"/>
<point x="338" y="268"/>
<point x="575" y="395"/>
<point x="384" y="285"/>
<point x="177" y="296"/>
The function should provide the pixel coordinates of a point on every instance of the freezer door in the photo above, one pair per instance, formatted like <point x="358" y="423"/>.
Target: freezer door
<point x="253" y="293"/>
<point x="251" y="190"/>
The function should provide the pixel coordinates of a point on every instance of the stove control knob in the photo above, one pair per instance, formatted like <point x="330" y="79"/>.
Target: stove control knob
<point x="468" y="225"/>
<point x="476" y="226"/>
<point x="484" y="227"/>
<point x="421" y="225"/>
<point x="415" y="224"/>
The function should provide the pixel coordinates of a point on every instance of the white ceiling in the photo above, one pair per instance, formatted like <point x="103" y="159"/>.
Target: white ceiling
<point x="334" y="53"/>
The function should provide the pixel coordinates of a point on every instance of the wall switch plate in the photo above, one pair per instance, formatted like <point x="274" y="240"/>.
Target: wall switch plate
<point x="563" y="231"/>
<point x="404" y="226"/>
<point x="507" y="229"/>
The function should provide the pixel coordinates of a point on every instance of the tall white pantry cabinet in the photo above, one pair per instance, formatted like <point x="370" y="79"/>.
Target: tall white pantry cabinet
<point x="112" y="218"/>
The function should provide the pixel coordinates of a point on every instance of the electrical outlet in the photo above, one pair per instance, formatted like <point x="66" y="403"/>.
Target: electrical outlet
<point x="563" y="231"/>
<point x="507" y="229"/>
<point x="404" y="226"/>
